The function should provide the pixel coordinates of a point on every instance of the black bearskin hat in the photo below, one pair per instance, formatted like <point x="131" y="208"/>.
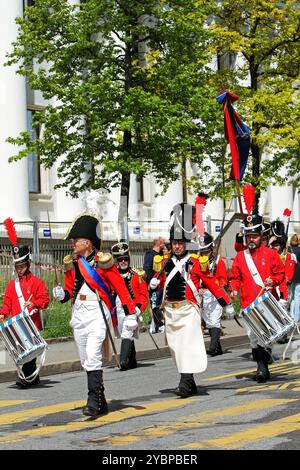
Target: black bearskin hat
<point x="21" y="254"/>
<point x="207" y="243"/>
<point x="266" y="228"/>
<point x="86" y="226"/>
<point x="277" y="228"/>
<point x="253" y="224"/>
<point x="183" y="223"/>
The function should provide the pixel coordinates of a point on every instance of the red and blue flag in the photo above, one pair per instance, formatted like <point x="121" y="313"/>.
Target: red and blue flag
<point x="236" y="133"/>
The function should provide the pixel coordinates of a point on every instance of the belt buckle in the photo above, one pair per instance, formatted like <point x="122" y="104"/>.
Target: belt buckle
<point x="82" y="297"/>
<point x="175" y="304"/>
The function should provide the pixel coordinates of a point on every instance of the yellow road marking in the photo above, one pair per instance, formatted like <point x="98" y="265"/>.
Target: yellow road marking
<point x="248" y="371"/>
<point x="19" y="416"/>
<point x="241" y="438"/>
<point x="258" y="388"/>
<point x="4" y="403"/>
<point x="113" y="417"/>
<point x="190" y="422"/>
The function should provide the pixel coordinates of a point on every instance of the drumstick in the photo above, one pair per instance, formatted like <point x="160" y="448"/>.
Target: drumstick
<point x="28" y="299"/>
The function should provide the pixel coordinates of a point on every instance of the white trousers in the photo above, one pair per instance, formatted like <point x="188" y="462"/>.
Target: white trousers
<point x="89" y="333"/>
<point x="212" y="310"/>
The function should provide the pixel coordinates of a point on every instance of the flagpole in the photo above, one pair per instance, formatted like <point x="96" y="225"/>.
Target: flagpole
<point x="238" y="193"/>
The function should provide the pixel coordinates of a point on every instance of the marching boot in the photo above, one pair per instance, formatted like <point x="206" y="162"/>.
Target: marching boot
<point x="28" y="368"/>
<point x="132" y="364"/>
<point x="96" y="402"/>
<point x="262" y="359"/>
<point x="126" y="346"/>
<point x="187" y="386"/>
<point x="215" y="345"/>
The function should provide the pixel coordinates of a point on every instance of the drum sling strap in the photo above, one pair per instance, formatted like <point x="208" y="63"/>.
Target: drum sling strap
<point x="21" y="299"/>
<point x="253" y="269"/>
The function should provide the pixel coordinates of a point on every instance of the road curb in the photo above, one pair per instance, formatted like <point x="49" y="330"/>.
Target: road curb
<point x="144" y="355"/>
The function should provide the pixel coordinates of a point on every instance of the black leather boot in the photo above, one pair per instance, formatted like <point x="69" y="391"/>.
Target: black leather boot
<point x="187" y="386"/>
<point x="132" y="364"/>
<point x="28" y="368"/>
<point x="125" y="352"/>
<point x="262" y="359"/>
<point x="96" y="402"/>
<point x="215" y="348"/>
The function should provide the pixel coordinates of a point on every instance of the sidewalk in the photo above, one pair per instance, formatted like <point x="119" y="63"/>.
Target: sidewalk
<point x="62" y="354"/>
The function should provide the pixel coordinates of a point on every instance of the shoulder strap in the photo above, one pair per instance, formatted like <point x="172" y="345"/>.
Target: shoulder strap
<point x="252" y="268"/>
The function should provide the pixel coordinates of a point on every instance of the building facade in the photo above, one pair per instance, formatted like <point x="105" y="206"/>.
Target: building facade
<point x="27" y="190"/>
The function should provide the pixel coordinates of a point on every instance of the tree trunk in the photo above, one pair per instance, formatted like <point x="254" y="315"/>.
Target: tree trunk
<point x="125" y="188"/>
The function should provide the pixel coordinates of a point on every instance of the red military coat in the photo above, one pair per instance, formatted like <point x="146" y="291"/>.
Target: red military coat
<point x="289" y="269"/>
<point x="268" y="264"/>
<point x="113" y="281"/>
<point x="200" y="279"/>
<point x="30" y="285"/>
<point x="137" y="288"/>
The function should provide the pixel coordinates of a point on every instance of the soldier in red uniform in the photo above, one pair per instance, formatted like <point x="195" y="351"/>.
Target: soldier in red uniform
<point x="138" y="290"/>
<point x="182" y="276"/>
<point x="25" y="293"/>
<point x="255" y="268"/>
<point x="212" y="310"/>
<point x="88" y="271"/>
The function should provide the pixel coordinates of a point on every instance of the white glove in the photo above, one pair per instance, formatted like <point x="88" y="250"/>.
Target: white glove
<point x="131" y="323"/>
<point x="58" y="293"/>
<point x="229" y="311"/>
<point x="154" y="283"/>
<point x="139" y="314"/>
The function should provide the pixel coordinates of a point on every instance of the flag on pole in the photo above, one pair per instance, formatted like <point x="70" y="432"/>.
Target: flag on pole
<point x="236" y="133"/>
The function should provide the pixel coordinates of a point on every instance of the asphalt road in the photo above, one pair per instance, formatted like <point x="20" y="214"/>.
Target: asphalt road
<point x="231" y="411"/>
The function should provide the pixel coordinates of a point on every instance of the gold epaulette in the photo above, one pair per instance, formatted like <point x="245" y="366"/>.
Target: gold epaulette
<point x="68" y="262"/>
<point x="194" y="255"/>
<point x="157" y="261"/>
<point x="204" y="263"/>
<point x="104" y="260"/>
<point x="140" y="272"/>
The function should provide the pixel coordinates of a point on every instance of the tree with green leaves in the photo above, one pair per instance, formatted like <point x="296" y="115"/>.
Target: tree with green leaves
<point x="265" y="36"/>
<point x="129" y="86"/>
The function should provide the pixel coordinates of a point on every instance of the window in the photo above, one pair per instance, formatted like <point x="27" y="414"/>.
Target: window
<point x="34" y="177"/>
<point x="140" y="188"/>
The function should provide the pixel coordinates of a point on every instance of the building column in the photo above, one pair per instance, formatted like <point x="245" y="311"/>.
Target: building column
<point x="14" y="176"/>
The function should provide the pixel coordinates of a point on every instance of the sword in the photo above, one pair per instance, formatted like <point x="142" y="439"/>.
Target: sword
<point x="108" y="330"/>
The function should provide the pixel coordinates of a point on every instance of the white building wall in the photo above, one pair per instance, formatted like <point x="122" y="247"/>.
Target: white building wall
<point x="14" y="181"/>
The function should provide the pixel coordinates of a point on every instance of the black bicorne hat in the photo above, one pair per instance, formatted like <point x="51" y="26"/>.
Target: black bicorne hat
<point x="253" y="224"/>
<point x="206" y="243"/>
<point x="183" y="223"/>
<point x="21" y="254"/>
<point x="86" y="226"/>
<point x="120" y="249"/>
<point x="277" y="228"/>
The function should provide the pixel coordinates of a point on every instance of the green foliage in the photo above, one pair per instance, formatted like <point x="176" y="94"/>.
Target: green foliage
<point x="133" y="89"/>
<point x="56" y="320"/>
<point x="265" y="35"/>
<point x="130" y="83"/>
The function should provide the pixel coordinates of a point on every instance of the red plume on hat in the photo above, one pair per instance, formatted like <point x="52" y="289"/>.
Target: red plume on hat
<point x="287" y="212"/>
<point x="200" y="203"/>
<point x="249" y="197"/>
<point x="11" y="231"/>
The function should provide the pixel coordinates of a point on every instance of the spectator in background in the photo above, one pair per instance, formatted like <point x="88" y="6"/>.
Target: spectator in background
<point x="295" y="283"/>
<point x="157" y="249"/>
